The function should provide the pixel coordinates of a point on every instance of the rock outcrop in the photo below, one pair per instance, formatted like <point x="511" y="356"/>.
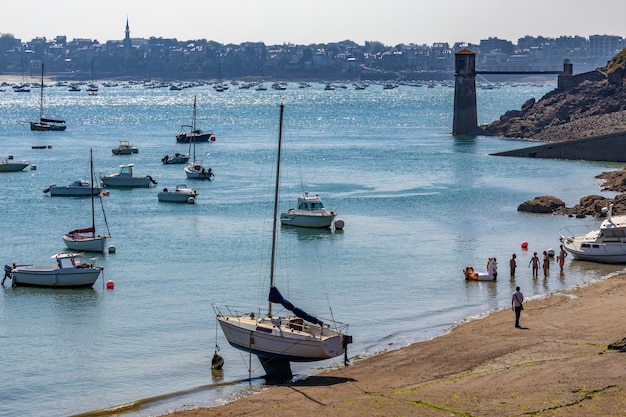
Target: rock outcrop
<point x="542" y="204"/>
<point x="593" y="105"/>
<point x="591" y="205"/>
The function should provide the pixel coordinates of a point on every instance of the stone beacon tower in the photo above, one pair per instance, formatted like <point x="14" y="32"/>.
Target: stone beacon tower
<point x="465" y="114"/>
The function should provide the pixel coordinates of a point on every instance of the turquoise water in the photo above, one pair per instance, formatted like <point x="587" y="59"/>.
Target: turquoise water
<point x="419" y="206"/>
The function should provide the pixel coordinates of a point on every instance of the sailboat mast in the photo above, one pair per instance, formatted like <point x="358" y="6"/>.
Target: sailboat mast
<point x="41" y="95"/>
<point x="93" y="217"/>
<point x="275" y="219"/>
<point x="193" y="121"/>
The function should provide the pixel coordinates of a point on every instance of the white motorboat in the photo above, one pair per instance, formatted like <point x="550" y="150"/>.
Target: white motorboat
<point x="177" y="158"/>
<point x="124" y="148"/>
<point x="310" y="212"/>
<point x="125" y="178"/>
<point x="279" y="340"/>
<point x="69" y="271"/>
<point x="606" y="244"/>
<point x="78" y="188"/>
<point x="86" y="239"/>
<point x="10" y="165"/>
<point x="181" y="194"/>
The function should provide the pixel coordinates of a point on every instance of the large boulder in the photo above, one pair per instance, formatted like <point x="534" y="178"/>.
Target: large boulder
<point x="542" y="204"/>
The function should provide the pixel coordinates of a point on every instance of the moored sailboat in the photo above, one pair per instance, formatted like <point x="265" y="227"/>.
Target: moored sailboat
<point x="195" y="134"/>
<point x="87" y="240"/>
<point x="279" y="340"/>
<point x="45" y="124"/>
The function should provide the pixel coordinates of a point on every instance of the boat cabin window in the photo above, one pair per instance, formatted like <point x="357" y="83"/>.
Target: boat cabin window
<point x="613" y="233"/>
<point x="126" y="170"/>
<point x="312" y="205"/>
<point x="67" y="262"/>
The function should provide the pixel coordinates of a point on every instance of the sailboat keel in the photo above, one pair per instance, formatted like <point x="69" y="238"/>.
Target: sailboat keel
<point x="276" y="370"/>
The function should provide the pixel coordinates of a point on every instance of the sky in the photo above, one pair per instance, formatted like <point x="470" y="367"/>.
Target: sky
<point x="306" y="22"/>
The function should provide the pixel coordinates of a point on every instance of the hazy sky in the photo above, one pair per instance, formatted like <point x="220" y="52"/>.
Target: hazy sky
<point x="322" y="21"/>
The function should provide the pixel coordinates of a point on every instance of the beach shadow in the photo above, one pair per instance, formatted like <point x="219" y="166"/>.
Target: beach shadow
<point x="321" y="381"/>
<point x="318" y="381"/>
<point x="523" y="328"/>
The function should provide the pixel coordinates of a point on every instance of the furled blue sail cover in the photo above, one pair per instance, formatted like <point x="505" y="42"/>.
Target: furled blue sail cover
<point x="276" y="297"/>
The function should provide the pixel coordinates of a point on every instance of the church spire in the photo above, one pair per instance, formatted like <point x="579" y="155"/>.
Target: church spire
<point x="127" y="43"/>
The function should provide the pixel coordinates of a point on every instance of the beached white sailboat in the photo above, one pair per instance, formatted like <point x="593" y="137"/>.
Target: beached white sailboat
<point x="87" y="240"/>
<point x="279" y="340"/>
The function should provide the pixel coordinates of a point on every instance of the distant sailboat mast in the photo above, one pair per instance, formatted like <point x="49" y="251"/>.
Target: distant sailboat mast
<point x="41" y="95"/>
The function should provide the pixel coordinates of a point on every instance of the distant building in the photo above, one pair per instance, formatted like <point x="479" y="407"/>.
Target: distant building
<point x="604" y="45"/>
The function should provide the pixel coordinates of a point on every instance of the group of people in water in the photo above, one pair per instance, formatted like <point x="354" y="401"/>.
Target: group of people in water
<point x="535" y="262"/>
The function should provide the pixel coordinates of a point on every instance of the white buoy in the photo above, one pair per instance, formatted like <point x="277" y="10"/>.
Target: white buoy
<point x="339" y="224"/>
<point x="111" y="249"/>
<point x="191" y="200"/>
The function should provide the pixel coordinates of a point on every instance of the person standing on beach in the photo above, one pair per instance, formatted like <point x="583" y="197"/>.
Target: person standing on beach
<point x="516" y="304"/>
<point x="546" y="264"/>
<point x="561" y="257"/>
<point x="535" y="262"/>
<point x="513" y="265"/>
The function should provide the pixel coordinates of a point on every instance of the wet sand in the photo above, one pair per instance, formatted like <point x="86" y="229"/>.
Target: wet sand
<point x="558" y="364"/>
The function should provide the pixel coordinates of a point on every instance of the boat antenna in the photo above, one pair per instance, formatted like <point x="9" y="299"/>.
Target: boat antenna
<point x="275" y="218"/>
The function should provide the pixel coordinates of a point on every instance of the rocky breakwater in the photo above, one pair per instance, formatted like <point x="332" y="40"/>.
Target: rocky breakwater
<point x="587" y="105"/>
<point x="584" y="106"/>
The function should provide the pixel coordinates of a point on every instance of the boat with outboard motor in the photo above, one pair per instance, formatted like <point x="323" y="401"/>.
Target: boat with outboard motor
<point x="69" y="271"/>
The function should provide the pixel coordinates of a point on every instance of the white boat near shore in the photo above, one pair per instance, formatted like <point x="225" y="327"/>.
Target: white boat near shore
<point x="605" y="245"/>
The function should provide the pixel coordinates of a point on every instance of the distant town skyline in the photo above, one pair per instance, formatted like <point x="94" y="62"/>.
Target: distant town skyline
<point x="306" y="22"/>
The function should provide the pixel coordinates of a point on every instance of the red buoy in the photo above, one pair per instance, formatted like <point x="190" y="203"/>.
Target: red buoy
<point x="524" y="245"/>
<point x="110" y="285"/>
<point x="212" y="138"/>
<point x="105" y="193"/>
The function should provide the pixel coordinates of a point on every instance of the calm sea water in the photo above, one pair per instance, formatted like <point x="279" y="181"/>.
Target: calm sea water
<point x="419" y="206"/>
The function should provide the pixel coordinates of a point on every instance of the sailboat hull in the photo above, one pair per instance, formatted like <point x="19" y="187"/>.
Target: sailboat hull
<point x="83" y="243"/>
<point x="45" y="127"/>
<point x="281" y="338"/>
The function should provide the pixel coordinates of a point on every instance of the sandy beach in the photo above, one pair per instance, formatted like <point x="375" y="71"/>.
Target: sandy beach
<point x="558" y="364"/>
